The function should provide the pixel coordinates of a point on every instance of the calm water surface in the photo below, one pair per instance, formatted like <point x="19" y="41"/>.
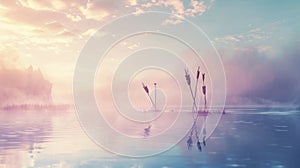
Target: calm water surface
<point x="245" y="137"/>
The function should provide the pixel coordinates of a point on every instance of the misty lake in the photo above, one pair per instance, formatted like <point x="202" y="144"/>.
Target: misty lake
<point x="244" y="137"/>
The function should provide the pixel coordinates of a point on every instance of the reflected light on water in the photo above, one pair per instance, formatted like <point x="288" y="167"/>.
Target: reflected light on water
<point x="244" y="138"/>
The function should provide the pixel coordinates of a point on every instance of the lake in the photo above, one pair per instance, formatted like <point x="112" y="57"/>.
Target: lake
<point x="245" y="137"/>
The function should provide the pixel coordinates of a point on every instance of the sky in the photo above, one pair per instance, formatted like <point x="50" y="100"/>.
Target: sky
<point x="258" y="41"/>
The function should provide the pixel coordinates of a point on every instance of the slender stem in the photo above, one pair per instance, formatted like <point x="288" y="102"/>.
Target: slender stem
<point x="194" y="101"/>
<point x="195" y="95"/>
<point x="205" y="102"/>
<point x="196" y="87"/>
<point x="155" y="96"/>
<point x="150" y="99"/>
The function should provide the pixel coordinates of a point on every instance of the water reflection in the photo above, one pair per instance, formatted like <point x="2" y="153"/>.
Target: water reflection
<point x="147" y="130"/>
<point x="55" y="139"/>
<point x="200" y="136"/>
<point x="22" y="134"/>
<point x="249" y="140"/>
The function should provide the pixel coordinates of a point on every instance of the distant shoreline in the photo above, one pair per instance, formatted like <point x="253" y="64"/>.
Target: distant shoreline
<point x="47" y="107"/>
<point x="36" y="107"/>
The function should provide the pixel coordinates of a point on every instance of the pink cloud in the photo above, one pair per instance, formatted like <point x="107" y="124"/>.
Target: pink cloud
<point x="198" y="7"/>
<point x="92" y="11"/>
<point x="43" y="4"/>
<point x="255" y="77"/>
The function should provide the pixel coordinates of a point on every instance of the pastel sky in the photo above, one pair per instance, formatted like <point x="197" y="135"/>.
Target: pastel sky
<point x="257" y="40"/>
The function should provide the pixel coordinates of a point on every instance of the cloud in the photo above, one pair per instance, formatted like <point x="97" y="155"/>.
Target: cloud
<point x="254" y="35"/>
<point x="74" y="18"/>
<point x="22" y="15"/>
<point x="43" y="4"/>
<point x="198" y="7"/>
<point x="50" y="28"/>
<point x="133" y="2"/>
<point x="49" y="33"/>
<point x="227" y="39"/>
<point x="40" y="18"/>
<point x="19" y="85"/>
<point x="99" y="10"/>
<point x="178" y="9"/>
<point x="35" y="18"/>
<point x="94" y="11"/>
<point x="260" y="69"/>
<point x="261" y="77"/>
<point x="25" y="26"/>
<point x="9" y="58"/>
